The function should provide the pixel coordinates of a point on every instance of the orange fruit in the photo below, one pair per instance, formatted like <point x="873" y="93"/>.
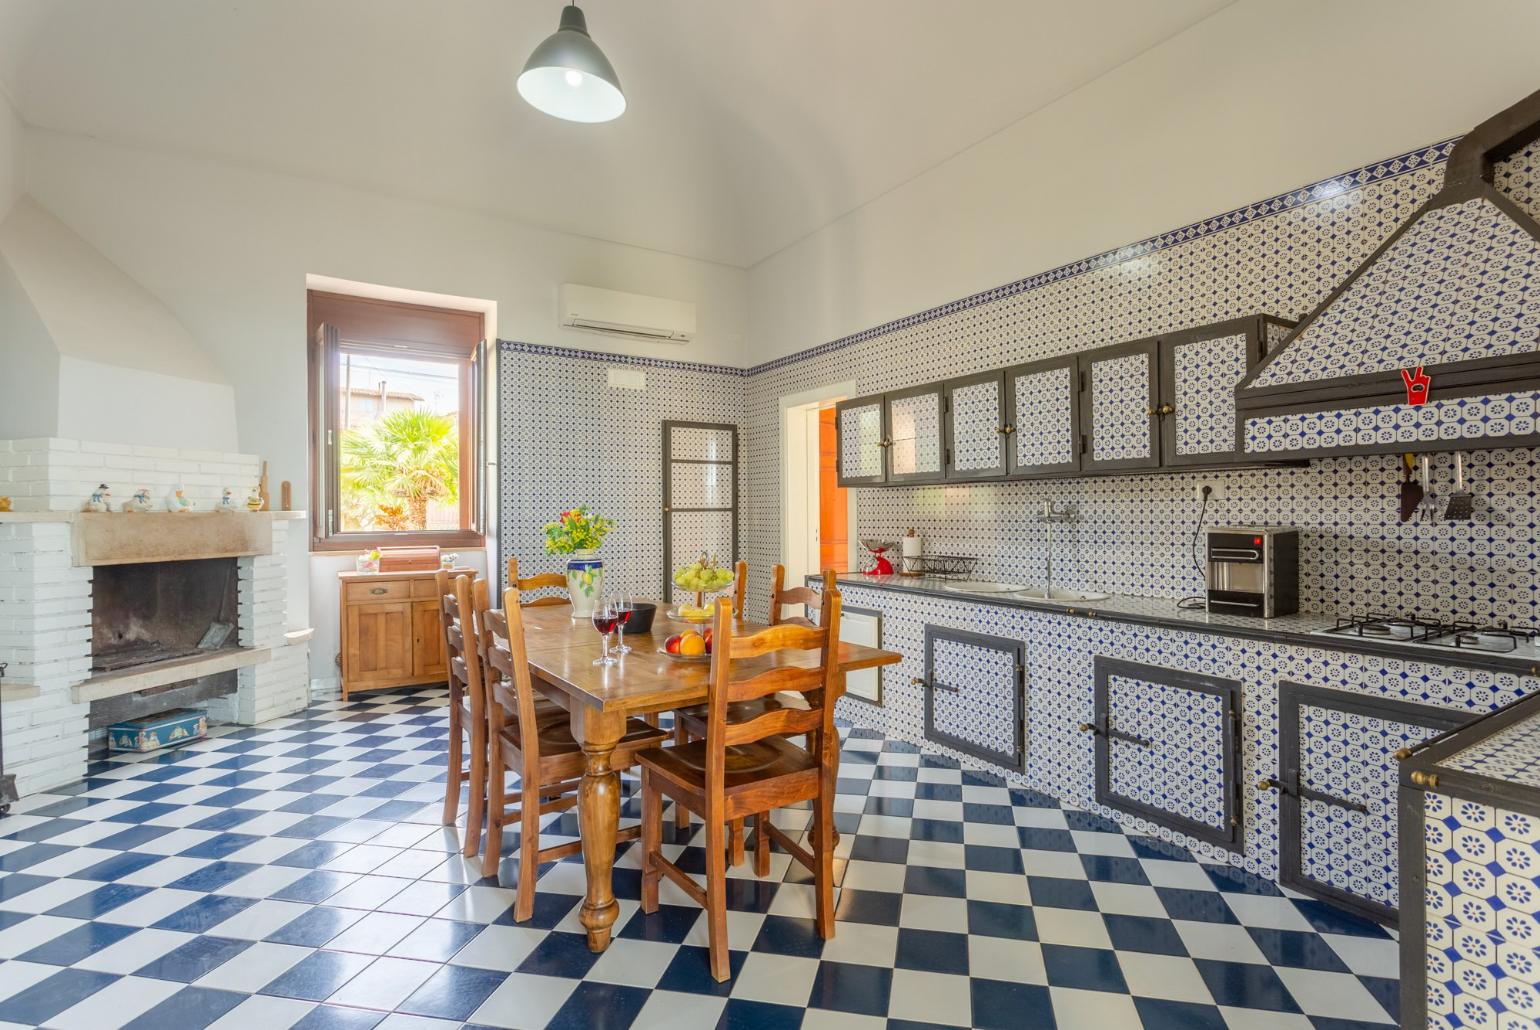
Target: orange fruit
<point x="692" y="645"/>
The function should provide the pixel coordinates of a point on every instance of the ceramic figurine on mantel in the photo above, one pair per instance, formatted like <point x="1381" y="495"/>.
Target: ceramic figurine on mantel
<point x="140" y="501"/>
<point x="578" y="535"/>
<point x="101" y="499"/>
<point x="255" y="500"/>
<point x="227" y="501"/>
<point x="177" y="501"/>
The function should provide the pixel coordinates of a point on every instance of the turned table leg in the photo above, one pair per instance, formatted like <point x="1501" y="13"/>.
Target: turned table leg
<point x="598" y="819"/>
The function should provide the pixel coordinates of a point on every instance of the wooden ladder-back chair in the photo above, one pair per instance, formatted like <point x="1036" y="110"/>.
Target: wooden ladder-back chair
<point x="690" y="722"/>
<point x="748" y="767"/>
<point x="539" y="747"/>
<point x="467" y="713"/>
<point x="538" y="582"/>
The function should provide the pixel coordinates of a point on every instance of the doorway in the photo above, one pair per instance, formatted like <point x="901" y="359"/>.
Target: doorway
<point x="818" y="516"/>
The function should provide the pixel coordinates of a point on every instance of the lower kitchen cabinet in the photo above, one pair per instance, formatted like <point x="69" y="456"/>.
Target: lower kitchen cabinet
<point x="1337" y="819"/>
<point x="974" y="694"/>
<point x="392" y="634"/>
<point x="1167" y="748"/>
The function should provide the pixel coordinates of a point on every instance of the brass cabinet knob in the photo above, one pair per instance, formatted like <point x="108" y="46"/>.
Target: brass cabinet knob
<point x="1268" y="784"/>
<point x="1426" y="780"/>
<point x="917" y="681"/>
<point x="1165" y="409"/>
<point x="1402" y="754"/>
<point x="1088" y="727"/>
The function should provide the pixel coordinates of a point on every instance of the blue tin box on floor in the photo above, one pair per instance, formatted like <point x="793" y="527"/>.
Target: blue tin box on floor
<point x="157" y="731"/>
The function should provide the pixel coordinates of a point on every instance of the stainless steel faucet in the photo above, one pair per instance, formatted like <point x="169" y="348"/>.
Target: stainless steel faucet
<point x="1051" y="514"/>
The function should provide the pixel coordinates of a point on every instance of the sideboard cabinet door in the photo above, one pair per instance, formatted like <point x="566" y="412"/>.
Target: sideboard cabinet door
<point x="377" y="641"/>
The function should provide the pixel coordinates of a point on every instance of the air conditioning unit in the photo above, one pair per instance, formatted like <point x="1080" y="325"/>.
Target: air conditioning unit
<point x="626" y="314"/>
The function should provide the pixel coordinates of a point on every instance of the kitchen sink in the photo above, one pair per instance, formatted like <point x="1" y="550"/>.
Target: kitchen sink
<point x="1058" y="594"/>
<point x="983" y="586"/>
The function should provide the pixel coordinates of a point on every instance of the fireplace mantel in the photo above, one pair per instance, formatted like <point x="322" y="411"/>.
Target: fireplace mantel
<point x="121" y="538"/>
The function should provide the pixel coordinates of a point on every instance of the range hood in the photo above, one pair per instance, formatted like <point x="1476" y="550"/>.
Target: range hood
<point x="1433" y="342"/>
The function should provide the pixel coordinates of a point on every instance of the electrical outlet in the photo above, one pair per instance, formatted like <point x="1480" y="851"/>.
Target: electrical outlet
<point x="1213" y="490"/>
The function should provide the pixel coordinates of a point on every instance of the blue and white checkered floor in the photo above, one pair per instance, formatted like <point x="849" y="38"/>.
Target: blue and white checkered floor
<point x="295" y="874"/>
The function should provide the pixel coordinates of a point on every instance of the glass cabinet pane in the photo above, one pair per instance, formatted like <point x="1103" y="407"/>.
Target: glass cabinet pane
<point x="860" y="432"/>
<point x="915" y="433"/>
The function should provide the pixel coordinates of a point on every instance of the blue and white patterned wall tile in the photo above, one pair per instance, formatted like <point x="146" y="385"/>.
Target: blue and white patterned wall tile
<point x="1045" y="430"/>
<point x="1446" y="418"/>
<point x="1512" y="754"/>
<point x="1120" y="401"/>
<point x="1204" y="375"/>
<point x="567" y="437"/>
<point x="976" y="421"/>
<point x="1461" y="284"/>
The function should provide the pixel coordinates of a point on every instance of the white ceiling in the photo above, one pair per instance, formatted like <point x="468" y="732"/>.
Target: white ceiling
<point x="751" y="124"/>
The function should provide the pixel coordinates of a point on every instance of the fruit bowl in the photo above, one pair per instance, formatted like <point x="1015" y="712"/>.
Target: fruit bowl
<point x="690" y="613"/>
<point x="695" y="658"/>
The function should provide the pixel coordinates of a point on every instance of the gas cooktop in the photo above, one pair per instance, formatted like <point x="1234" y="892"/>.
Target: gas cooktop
<point x="1440" y="633"/>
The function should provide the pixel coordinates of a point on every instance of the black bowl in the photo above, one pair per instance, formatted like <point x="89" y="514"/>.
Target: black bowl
<point x="641" y="619"/>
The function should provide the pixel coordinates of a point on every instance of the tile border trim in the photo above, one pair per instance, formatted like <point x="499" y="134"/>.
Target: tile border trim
<point x="1324" y="189"/>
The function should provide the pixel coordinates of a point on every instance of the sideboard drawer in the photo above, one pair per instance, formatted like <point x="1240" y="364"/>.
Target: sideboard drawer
<point x="385" y="590"/>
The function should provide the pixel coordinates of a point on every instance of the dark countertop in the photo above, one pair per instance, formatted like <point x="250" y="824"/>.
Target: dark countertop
<point x="1161" y="611"/>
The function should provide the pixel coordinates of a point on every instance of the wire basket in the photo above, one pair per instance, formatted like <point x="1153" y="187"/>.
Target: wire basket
<point x="940" y="566"/>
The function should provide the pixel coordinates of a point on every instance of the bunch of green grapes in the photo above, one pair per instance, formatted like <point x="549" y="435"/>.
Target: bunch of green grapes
<point x="703" y="574"/>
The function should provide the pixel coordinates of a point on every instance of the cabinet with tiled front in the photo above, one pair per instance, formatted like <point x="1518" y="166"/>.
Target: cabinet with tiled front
<point x="1470" y="875"/>
<point x="1161" y="402"/>
<point x="1279" y="758"/>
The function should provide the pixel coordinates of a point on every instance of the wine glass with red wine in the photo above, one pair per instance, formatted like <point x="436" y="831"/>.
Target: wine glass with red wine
<point x="623" y="609"/>
<point x="604" y="622"/>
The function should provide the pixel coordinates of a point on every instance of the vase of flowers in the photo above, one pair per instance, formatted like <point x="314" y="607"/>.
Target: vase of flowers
<point x="578" y="534"/>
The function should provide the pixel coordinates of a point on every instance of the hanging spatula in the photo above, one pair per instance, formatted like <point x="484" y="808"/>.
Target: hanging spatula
<point x="1411" y="490"/>
<point x="1461" y="503"/>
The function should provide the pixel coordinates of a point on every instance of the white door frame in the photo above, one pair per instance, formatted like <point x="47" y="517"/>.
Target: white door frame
<point x="791" y="405"/>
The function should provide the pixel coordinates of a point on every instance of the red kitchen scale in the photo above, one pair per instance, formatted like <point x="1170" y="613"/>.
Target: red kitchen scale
<point x="879" y="550"/>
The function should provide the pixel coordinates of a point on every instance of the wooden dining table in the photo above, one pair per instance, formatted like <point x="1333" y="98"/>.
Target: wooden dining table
<point x="601" y="698"/>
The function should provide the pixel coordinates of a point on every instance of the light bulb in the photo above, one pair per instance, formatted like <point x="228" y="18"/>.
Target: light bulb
<point x="574" y="78"/>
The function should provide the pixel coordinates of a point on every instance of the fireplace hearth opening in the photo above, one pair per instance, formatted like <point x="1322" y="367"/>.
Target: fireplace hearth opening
<point x="158" y="611"/>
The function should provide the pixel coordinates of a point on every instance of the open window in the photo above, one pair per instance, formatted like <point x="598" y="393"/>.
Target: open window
<point x="394" y="425"/>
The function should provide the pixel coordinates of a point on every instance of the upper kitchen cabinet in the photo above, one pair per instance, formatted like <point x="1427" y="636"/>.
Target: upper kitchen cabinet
<point x="915" y="443"/>
<point x="1042" y="417"/>
<point x="862" y="441"/>
<point x="892" y="438"/>
<point x="1199" y="370"/>
<point x="976" y="426"/>
<point x="1118" y="412"/>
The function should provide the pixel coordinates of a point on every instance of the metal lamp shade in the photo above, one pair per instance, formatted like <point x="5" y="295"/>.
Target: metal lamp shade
<point x="569" y="77"/>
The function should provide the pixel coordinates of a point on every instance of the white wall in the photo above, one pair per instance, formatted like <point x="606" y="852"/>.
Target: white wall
<point x="10" y="154"/>
<point x="228" y="250"/>
<point x="1254" y="101"/>
<point x="123" y="368"/>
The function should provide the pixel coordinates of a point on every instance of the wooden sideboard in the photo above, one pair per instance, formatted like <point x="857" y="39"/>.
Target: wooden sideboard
<point x="391" y="635"/>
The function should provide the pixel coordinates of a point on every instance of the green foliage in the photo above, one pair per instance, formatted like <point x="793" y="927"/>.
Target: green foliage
<point x="576" y="530"/>
<point x="404" y="460"/>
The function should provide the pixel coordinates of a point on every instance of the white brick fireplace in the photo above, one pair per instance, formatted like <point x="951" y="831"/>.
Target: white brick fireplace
<point x="46" y="599"/>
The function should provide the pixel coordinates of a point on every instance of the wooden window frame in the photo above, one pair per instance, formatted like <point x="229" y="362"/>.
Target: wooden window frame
<point x="407" y="329"/>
